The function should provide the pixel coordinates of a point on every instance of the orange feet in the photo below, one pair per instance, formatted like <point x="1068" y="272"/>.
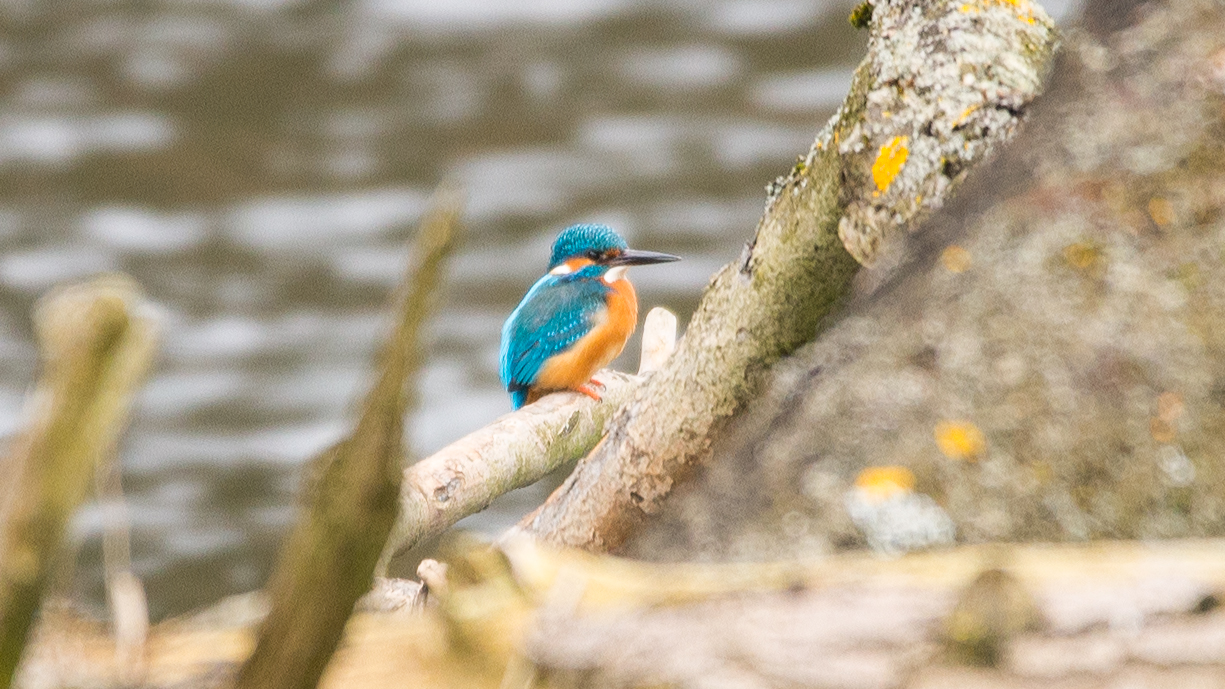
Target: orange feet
<point x="589" y="387"/>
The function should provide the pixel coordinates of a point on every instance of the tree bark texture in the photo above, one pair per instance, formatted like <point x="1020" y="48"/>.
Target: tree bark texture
<point x="943" y="83"/>
<point x="97" y="342"/>
<point x="1043" y="361"/>
<point x="518" y="449"/>
<point x="328" y="560"/>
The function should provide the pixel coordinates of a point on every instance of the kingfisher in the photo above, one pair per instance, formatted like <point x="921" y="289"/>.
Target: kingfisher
<point x="576" y="318"/>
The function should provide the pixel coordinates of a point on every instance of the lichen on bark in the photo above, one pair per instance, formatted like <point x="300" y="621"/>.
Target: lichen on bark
<point x="797" y="268"/>
<point x="1045" y="356"/>
<point x="946" y="84"/>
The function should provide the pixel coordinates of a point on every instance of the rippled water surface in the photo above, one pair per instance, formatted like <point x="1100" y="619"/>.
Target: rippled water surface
<point x="259" y="164"/>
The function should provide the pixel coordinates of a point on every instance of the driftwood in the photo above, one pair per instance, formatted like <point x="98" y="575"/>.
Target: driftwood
<point x="329" y="558"/>
<point x="1026" y="616"/>
<point x="943" y="83"/>
<point x="97" y="342"/>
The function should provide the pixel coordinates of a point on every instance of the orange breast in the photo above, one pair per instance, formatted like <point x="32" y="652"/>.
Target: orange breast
<point x="593" y="351"/>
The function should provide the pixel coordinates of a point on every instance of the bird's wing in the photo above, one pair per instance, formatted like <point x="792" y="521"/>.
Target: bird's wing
<point x="553" y="316"/>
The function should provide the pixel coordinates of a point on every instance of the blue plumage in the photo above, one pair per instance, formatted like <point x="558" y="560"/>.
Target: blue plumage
<point x="556" y="313"/>
<point x="588" y="240"/>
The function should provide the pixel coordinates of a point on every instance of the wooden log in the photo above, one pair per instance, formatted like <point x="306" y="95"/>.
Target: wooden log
<point x="1110" y="611"/>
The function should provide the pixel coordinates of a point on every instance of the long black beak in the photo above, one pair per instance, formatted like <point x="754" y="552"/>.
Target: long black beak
<point x="634" y="257"/>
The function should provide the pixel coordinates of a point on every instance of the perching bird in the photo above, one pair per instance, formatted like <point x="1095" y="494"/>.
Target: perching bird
<point x="576" y="318"/>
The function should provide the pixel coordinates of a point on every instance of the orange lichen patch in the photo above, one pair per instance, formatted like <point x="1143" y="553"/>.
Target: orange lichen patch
<point x="1161" y="211"/>
<point x="1082" y="255"/>
<point x="1023" y="9"/>
<point x="889" y="161"/>
<point x="960" y="440"/>
<point x="1161" y="430"/>
<point x="878" y="484"/>
<point x="955" y="259"/>
<point x="1170" y="406"/>
<point x="962" y="117"/>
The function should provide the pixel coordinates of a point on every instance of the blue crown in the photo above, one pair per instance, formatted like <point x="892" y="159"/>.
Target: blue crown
<point x="577" y="240"/>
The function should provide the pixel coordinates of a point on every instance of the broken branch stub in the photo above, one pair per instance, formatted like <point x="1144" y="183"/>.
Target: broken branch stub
<point x="658" y="339"/>
<point x="329" y="558"/>
<point x="97" y="341"/>
<point x="891" y="151"/>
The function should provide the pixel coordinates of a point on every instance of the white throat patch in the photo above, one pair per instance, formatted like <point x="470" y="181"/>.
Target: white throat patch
<point x="615" y="273"/>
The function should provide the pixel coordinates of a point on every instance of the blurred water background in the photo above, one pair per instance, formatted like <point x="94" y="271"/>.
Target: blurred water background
<point x="259" y="164"/>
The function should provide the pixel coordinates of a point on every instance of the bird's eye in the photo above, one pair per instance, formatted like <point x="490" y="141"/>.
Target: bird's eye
<point x="592" y="254"/>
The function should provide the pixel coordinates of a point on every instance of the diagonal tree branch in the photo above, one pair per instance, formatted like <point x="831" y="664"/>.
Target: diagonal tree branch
<point x="943" y="83"/>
